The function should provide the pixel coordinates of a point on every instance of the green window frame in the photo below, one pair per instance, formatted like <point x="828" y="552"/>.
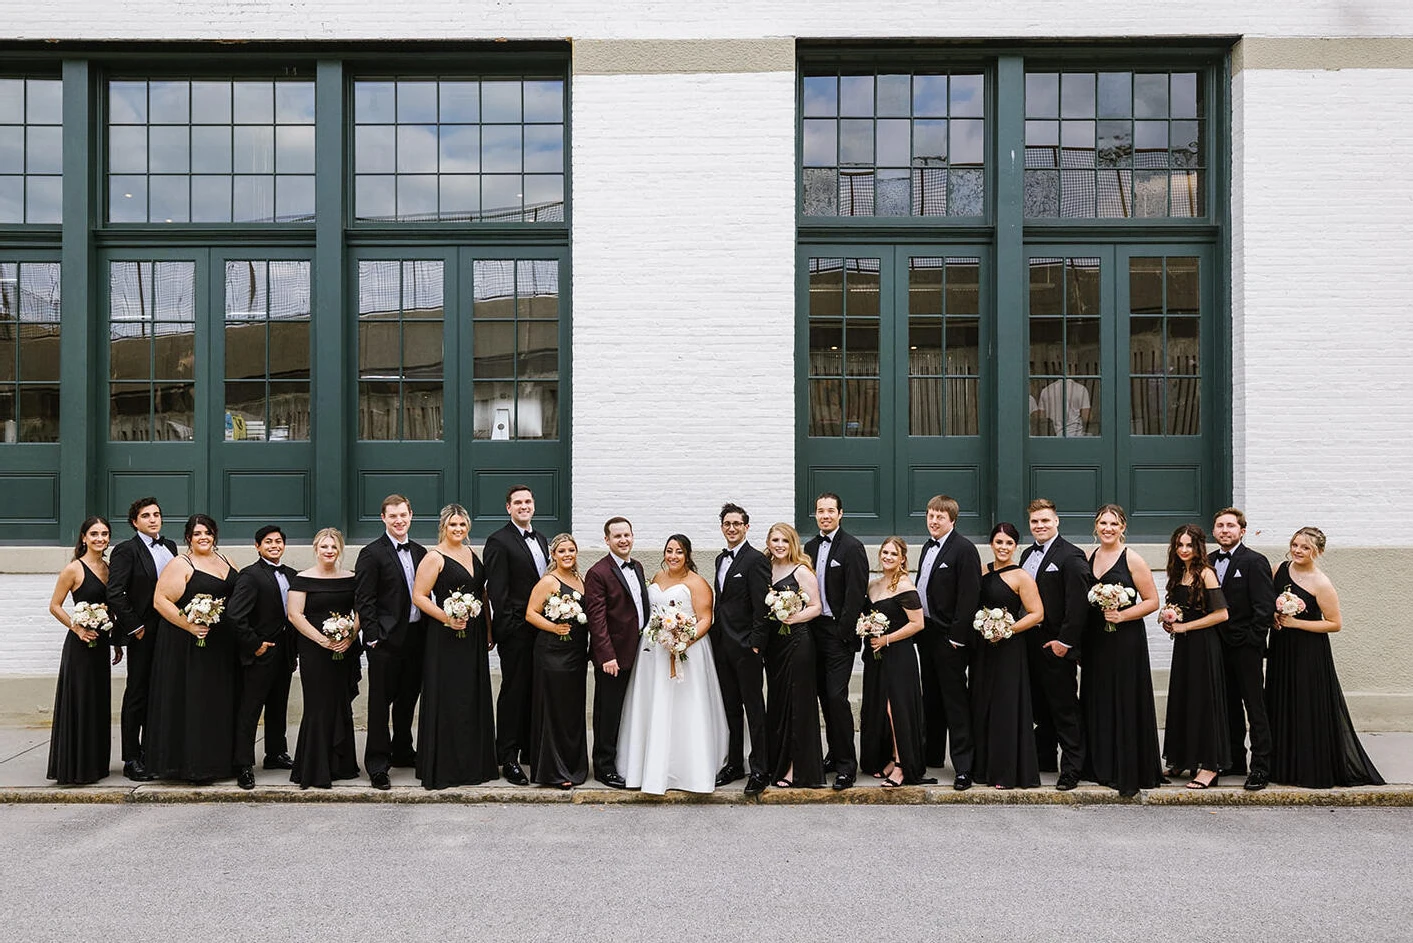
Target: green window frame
<point x="31" y="150"/>
<point x="30" y="325"/>
<point x="268" y="350"/>
<point x="515" y="371"/>
<point x="401" y="350"/>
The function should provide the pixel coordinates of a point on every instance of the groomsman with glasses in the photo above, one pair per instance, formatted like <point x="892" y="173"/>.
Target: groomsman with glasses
<point x="516" y="557"/>
<point x="739" y="617"/>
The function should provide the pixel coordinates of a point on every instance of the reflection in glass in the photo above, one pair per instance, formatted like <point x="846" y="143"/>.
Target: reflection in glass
<point x="1063" y="407"/>
<point x="173" y="412"/>
<point x="1047" y="287"/>
<point x="893" y="94"/>
<point x="1146" y="404"/>
<point x="538" y="353"/>
<point x="1042" y="194"/>
<point x="1184" y="286"/>
<point x="1183" y="346"/>
<point x="963" y="406"/>
<point x="1082" y="286"/>
<point x="1042" y="95"/>
<point x="1115" y="95"/>
<point x="861" y="347"/>
<point x="422" y="349"/>
<point x="966" y="192"/>
<point x="924" y="406"/>
<point x="826" y="407"/>
<point x="963" y="286"/>
<point x="821" y="96"/>
<point x="963" y="346"/>
<point x="821" y="192"/>
<point x="891" y="197"/>
<point x="924" y="286"/>
<point x="1145" y="285"/>
<point x="861" y="408"/>
<point x="1077" y="95"/>
<point x="1184" y="406"/>
<point x="826" y="288"/>
<point x="862" y="288"/>
<point x="493" y="343"/>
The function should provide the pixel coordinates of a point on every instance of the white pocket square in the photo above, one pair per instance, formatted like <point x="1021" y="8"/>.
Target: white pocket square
<point x="1052" y="568"/>
<point x="1236" y="574"/>
<point x="835" y="563"/>
<point x="737" y="576"/>
<point x="942" y="565"/>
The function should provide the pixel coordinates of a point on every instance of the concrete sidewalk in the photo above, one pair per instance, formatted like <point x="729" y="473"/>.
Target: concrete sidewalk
<point x="24" y="755"/>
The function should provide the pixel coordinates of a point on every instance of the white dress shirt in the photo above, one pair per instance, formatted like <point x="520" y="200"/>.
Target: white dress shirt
<point x="405" y="559"/>
<point x="1032" y="562"/>
<point x="161" y="556"/>
<point x="1221" y="566"/>
<point x="821" y="567"/>
<point x="630" y="576"/>
<point x="924" y="571"/>
<point x="541" y="564"/>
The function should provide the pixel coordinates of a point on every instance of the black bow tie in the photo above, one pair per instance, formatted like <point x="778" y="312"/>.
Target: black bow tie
<point x="729" y="554"/>
<point x="529" y="535"/>
<point x="826" y="538"/>
<point x="931" y="542"/>
<point x="155" y="542"/>
<point x="627" y="564"/>
<point x="403" y="548"/>
<point x="1037" y="548"/>
<point x="1221" y="555"/>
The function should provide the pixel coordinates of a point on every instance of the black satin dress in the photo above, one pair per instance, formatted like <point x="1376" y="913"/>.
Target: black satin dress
<point x="559" y="686"/>
<point x="893" y="683"/>
<point x="1001" y="714"/>
<point x="456" y="743"/>
<point x="81" y="739"/>
<point x="192" y="697"/>
<point x="1315" y="745"/>
<point x="1195" y="733"/>
<point x="325" y="750"/>
<point x="791" y="706"/>
<point x="1116" y="698"/>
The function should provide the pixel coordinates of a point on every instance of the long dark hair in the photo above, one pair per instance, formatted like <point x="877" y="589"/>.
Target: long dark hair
<point x="206" y="521"/>
<point x="1007" y="528"/>
<point x="1177" y="569"/>
<point x="685" y="543"/>
<point x="81" y="547"/>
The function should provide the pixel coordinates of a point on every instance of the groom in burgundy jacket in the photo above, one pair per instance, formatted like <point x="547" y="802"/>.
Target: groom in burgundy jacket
<point x="616" y="602"/>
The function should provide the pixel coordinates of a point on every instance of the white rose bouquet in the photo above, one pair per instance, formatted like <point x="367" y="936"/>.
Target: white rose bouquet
<point x="1289" y="604"/>
<point x="994" y="624"/>
<point x="462" y="606"/>
<point x="1110" y="597"/>
<point x="566" y="609"/>
<point x="872" y="625"/>
<point x="337" y="627"/>
<point x="784" y="603"/>
<point x="92" y="616"/>
<point x="675" y="630"/>
<point x="204" y="609"/>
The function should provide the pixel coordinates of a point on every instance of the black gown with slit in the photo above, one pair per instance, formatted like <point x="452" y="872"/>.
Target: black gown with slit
<point x="1001" y="714"/>
<point x="892" y="685"/>
<point x="1195" y="732"/>
<point x="791" y="706"/>
<point x="455" y="727"/>
<point x="559" y="734"/>
<point x="81" y="738"/>
<point x="325" y="750"/>
<point x="1314" y="743"/>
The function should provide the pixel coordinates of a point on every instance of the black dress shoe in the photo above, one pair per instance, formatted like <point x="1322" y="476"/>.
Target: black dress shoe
<point x="280" y="761"/>
<point x="381" y="781"/>
<point x="728" y="775"/>
<point x="134" y="770"/>
<point x="962" y="783"/>
<point x="1256" y="781"/>
<point x="842" y="782"/>
<point x="755" y="785"/>
<point x="514" y="775"/>
<point x="613" y="781"/>
<point x="405" y="762"/>
<point x="245" y="777"/>
<point x="1066" y="782"/>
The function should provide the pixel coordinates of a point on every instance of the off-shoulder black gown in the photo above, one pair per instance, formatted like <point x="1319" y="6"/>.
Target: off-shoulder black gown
<point x="791" y="707"/>
<point x="1116" y="699"/>
<point x="455" y="728"/>
<point x="325" y="750"/>
<point x="1314" y="740"/>
<point x="81" y="738"/>
<point x="1000" y="697"/>
<point x="892" y="682"/>
<point x="1195" y="733"/>
<point x="559" y="738"/>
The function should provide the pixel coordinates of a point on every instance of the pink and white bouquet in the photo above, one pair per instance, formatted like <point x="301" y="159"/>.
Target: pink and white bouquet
<point x="1289" y="604"/>
<point x="1169" y="615"/>
<point x="1110" y="597"/>
<point x="337" y="627"/>
<point x="674" y="629"/>
<point x="872" y="625"/>
<point x="566" y="608"/>
<point x="462" y="606"/>
<point x="784" y="603"/>
<point x="994" y="624"/>
<point x="204" y="609"/>
<point x="92" y="616"/>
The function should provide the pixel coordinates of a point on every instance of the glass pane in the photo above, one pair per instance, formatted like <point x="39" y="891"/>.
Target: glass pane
<point x="247" y="290"/>
<point x="1042" y="144"/>
<point x="127" y="102"/>
<point x="374" y="102"/>
<point x="1146" y="398"/>
<point x="9" y="291"/>
<point x="12" y="150"/>
<point x="416" y="196"/>
<point x="8" y="430"/>
<point x="1184" y="286"/>
<point x="968" y="96"/>
<point x="170" y="199"/>
<point x="289" y="412"/>
<point x="1063" y="407"/>
<point x="174" y="351"/>
<point x="856" y="193"/>
<point x="1042" y="194"/>
<point x="174" y="290"/>
<point x="12" y="101"/>
<point x="924" y="407"/>
<point x="924" y="286"/>
<point x="493" y="410"/>
<point x="210" y="149"/>
<point x="1115" y="144"/>
<point x="422" y="349"/>
<point x="1077" y="194"/>
<point x="1184" y="406"/>
<point x="826" y="408"/>
<point x="210" y="199"/>
<point x="1145" y="285"/>
<point x="416" y="102"/>
<point x="245" y="412"/>
<point x="963" y="346"/>
<point x="1115" y="193"/>
<point x="821" y="192"/>
<point x="294" y="199"/>
<point x="39" y="413"/>
<point x="379" y="351"/>
<point x="544" y="197"/>
<point x="375" y="197"/>
<point x="294" y="149"/>
<point x="856" y="95"/>
<point x="1150" y="193"/>
<point x="893" y="197"/>
<point x="1150" y="95"/>
<point x="379" y="409"/>
<point x="422" y="288"/>
<point x="374" y="149"/>
<point x="1047" y="347"/>
<point x="1185" y="143"/>
<point x="537" y="287"/>
<point x="1082" y="346"/>
<point x="38" y="292"/>
<point x="1187" y="198"/>
<point x="493" y="343"/>
<point x="253" y="199"/>
<point x="539" y="350"/>
<point x="9" y="339"/>
<point x="1047" y="287"/>
<point x="1184" y="349"/>
<point x="544" y="100"/>
<point x="1042" y="95"/>
<point x="289" y="349"/>
<point x="537" y="410"/>
<point x="924" y="347"/>
<point x="1082" y="287"/>
<point x="821" y="143"/>
<point x="169" y="102"/>
<point x="1115" y="95"/>
<point x="459" y="102"/>
<point x="963" y="406"/>
<point x="930" y="96"/>
<point x="379" y="287"/>
<point x="1145" y="344"/>
<point x="289" y="290"/>
<point x="500" y="101"/>
<point x="211" y="103"/>
<point x="861" y="408"/>
<point x="459" y="196"/>
<point x="294" y="102"/>
<point x="127" y="150"/>
<point x="968" y="144"/>
<point x="129" y="351"/>
<point x="174" y="410"/>
<point x="130" y="412"/>
<point x="963" y="286"/>
<point x="821" y="96"/>
<point x="1185" y="101"/>
<point x="893" y="145"/>
<point x="245" y="350"/>
<point x="254" y="150"/>
<point x="422" y="411"/>
<point x="826" y="347"/>
<point x="966" y="193"/>
<point x="417" y="148"/>
<point x="1077" y="95"/>
<point x="500" y="148"/>
<point x="1150" y="143"/>
<point x="544" y="148"/>
<point x="862" y="286"/>
<point x="861" y="348"/>
<point x="1077" y="142"/>
<point x="893" y="94"/>
<point x="930" y="142"/>
<point x="826" y="288"/>
<point x="254" y="102"/>
<point x="169" y="149"/>
<point x="44" y="150"/>
<point x="856" y="142"/>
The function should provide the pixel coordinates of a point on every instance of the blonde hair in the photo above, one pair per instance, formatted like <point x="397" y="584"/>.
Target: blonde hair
<point x="332" y="533"/>
<point x="448" y="512"/>
<point x="902" y="546"/>
<point x="795" y="554"/>
<point x="1315" y="536"/>
<point x="1118" y="512"/>
<point x="554" y="545"/>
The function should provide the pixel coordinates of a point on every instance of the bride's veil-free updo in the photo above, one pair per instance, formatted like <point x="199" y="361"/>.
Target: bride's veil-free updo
<point x="685" y="543"/>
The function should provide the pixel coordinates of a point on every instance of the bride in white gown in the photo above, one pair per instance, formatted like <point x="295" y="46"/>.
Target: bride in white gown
<point x="673" y="733"/>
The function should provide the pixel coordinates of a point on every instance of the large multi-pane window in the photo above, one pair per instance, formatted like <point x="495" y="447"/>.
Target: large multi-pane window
<point x="400" y="349"/>
<point x="29" y="352"/>
<point x="152" y="351"/>
<point x="1165" y="344"/>
<point x="944" y="346"/>
<point x="31" y="150"/>
<point x="268" y="352"/>
<point x="844" y="329"/>
<point x="515" y="337"/>
<point x="1065" y="374"/>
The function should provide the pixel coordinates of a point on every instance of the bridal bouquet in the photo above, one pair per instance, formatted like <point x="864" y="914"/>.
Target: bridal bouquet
<point x="1287" y="604"/>
<point x="566" y="608"/>
<point x="204" y="609"/>
<point x="1110" y="597"/>
<point x="675" y="630"/>
<point x="462" y="606"/>
<point x="92" y="616"/>
<point x="994" y="624"/>
<point x="1168" y="615"/>
<point x="784" y="603"/>
<point x="872" y="625"/>
<point x="337" y="627"/>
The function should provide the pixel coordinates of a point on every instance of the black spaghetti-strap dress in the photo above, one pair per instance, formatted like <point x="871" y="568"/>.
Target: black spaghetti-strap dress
<point x="893" y="682"/>
<point x="1000" y="698"/>
<point x="192" y="698"/>
<point x="1116" y="698"/>
<point x="1315" y="745"/>
<point x="325" y="750"/>
<point x="559" y="737"/>
<point x="791" y="707"/>
<point x="81" y="738"/>
<point x="1195" y="733"/>
<point x="456" y="742"/>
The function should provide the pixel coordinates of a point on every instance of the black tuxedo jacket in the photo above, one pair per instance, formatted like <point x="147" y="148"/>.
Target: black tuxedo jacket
<point x="132" y="582"/>
<point x="511" y="574"/>
<point x="740" y="612"/>
<point x="380" y="593"/>
<point x="256" y="613"/>
<point x="1063" y="581"/>
<point x="845" y="583"/>
<point x="614" y="626"/>
<point x="1251" y="599"/>
<point x="953" y="590"/>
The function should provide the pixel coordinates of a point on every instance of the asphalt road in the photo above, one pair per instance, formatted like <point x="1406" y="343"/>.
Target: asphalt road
<point x="386" y="872"/>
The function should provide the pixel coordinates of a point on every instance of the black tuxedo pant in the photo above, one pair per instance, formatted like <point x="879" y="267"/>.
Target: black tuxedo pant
<point x="742" y="677"/>
<point x="264" y="686"/>
<point x="517" y="655"/>
<point x="609" y="692"/>
<point x="946" y="701"/>
<point x="394" y="684"/>
<point x="834" y="664"/>
<point x="1054" y="700"/>
<point x="134" y="717"/>
<point x="1246" y="687"/>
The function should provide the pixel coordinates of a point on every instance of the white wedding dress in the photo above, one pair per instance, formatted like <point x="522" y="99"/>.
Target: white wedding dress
<point x="673" y="734"/>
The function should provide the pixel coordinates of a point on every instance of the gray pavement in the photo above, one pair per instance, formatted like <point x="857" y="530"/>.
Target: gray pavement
<point x="1097" y="874"/>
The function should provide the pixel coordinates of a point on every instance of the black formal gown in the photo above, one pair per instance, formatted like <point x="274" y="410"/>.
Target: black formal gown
<point x="1116" y="698"/>
<point x="893" y="682"/>
<point x="559" y="738"/>
<point x="1195" y="734"/>
<point x="192" y="698"/>
<point x="325" y="750"/>
<point x="80" y="741"/>
<point x="1000" y="697"/>
<point x="456" y="743"/>
<point x="1314" y="740"/>
<point x="791" y="705"/>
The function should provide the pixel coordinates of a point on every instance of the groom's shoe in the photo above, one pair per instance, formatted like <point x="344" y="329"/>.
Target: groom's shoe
<point x="728" y="775"/>
<point x="134" y="770"/>
<point x="962" y="783"/>
<point x="843" y="781"/>
<point x="613" y="781"/>
<point x="755" y="785"/>
<point x="514" y="775"/>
